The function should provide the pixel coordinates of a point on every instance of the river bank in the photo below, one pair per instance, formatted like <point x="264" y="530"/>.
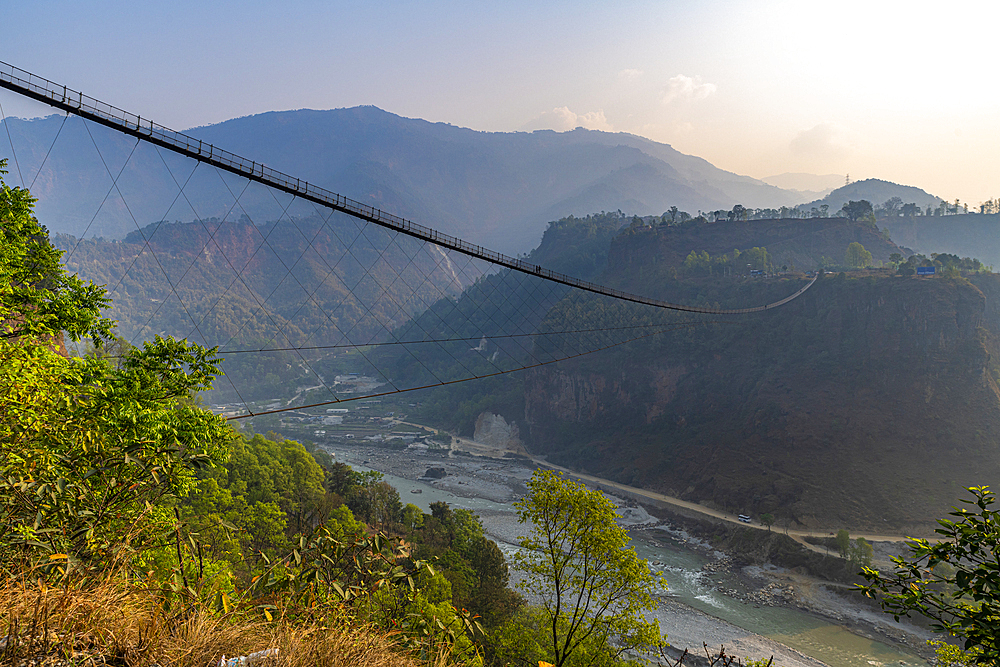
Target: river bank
<point x="765" y="600"/>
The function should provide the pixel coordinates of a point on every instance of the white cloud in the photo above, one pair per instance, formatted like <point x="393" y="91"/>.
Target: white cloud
<point x="683" y="87"/>
<point x="562" y="119"/>
<point x="629" y="74"/>
<point x="825" y="141"/>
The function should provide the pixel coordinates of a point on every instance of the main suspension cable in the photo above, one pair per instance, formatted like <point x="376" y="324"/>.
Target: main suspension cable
<point x="72" y="101"/>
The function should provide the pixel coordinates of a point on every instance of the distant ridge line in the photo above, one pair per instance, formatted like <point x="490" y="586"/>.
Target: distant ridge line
<point x="71" y="101"/>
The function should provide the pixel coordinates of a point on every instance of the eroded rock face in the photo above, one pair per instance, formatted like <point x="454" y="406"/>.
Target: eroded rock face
<point x="436" y="473"/>
<point x="495" y="431"/>
<point x="568" y="396"/>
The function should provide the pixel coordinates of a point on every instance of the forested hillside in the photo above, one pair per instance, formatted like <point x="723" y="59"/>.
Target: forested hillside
<point x="877" y="376"/>
<point x="831" y="410"/>
<point x="224" y="271"/>
<point x="802" y="244"/>
<point x="652" y="259"/>
<point x="747" y="413"/>
<point x="301" y="282"/>
<point x="503" y="310"/>
<point x="167" y="532"/>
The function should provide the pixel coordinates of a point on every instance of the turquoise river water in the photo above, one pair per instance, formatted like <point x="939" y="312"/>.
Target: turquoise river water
<point x="687" y="583"/>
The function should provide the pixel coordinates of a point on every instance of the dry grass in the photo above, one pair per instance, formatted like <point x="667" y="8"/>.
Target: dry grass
<point x="114" y="625"/>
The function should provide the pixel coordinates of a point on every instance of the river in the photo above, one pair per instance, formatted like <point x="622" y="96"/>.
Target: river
<point x="688" y="584"/>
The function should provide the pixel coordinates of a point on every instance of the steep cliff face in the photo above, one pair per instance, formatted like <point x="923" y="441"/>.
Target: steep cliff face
<point x="573" y="397"/>
<point x="869" y="402"/>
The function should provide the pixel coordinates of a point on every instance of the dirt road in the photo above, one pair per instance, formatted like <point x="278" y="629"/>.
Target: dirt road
<point x="481" y="449"/>
<point x="797" y="535"/>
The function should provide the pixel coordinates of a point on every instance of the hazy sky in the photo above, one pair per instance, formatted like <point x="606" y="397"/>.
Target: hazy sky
<point x="895" y="90"/>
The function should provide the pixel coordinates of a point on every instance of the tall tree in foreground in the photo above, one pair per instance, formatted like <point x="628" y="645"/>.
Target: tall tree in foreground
<point x="954" y="582"/>
<point x="87" y="446"/>
<point x="594" y="587"/>
<point x="37" y="297"/>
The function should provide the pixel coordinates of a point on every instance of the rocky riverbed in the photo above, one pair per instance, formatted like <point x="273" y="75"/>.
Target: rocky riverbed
<point x="496" y="483"/>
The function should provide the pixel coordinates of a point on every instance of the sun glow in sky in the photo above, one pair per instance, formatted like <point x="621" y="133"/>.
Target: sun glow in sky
<point x="901" y="91"/>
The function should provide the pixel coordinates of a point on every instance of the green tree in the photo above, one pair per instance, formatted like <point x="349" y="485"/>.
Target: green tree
<point x="698" y="262"/>
<point x="473" y="564"/>
<point x="963" y="599"/>
<point x="525" y="641"/>
<point x="340" y="478"/>
<point x="953" y="656"/>
<point x="37" y="296"/>
<point x="493" y="600"/>
<point x="892" y="207"/>
<point x="413" y="517"/>
<point x="858" y="210"/>
<point x="262" y="529"/>
<point x="843" y="542"/>
<point x="767" y="520"/>
<point x="757" y="258"/>
<point x="593" y="585"/>
<point x="304" y="493"/>
<point x="861" y="553"/>
<point x="377" y="504"/>
<point x="857" y="256"/>
<point x="88" y="447"/>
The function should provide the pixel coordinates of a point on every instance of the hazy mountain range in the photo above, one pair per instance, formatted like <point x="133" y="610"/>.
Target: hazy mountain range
<point x="497" y="189"/>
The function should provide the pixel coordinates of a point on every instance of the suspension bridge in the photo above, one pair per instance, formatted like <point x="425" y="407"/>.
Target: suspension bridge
<point x="480" y="262"/>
